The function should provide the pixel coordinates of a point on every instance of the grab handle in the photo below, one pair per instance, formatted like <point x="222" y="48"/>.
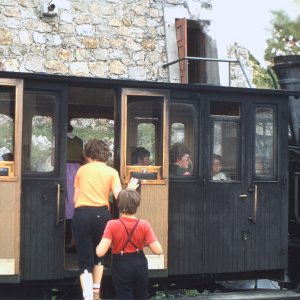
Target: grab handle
<point x="57" y="204"/>
<point x="253" y="190"/>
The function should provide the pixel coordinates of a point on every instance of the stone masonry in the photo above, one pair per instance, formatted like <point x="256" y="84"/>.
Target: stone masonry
<point x="93" y="38"/>
<point x="89" y="38"/>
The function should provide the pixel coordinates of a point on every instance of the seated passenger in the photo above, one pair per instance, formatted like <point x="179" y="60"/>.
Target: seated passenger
<point x="140" y="157"/>
<point x="181" y="163"/>
<point x="217" y="175"/>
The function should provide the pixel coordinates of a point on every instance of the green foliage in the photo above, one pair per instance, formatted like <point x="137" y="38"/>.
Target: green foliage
<point x="263" y="78"/>
<point x="146" y="138"/>
<point x="87" y="129"/>
<point x="176" y="294"/>
<point x="285" y="39"/>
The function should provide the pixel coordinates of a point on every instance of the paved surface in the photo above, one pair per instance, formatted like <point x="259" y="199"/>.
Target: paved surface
<point x="255" y="295"/>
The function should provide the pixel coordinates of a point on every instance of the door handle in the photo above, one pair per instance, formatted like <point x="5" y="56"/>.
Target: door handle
<point x="254" y="197"/>
<point x="243" y="196"/>
<point x="57" y="204"/>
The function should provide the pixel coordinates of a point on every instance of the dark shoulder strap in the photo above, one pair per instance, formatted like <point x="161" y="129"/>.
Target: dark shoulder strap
<point x="129" y="235"/>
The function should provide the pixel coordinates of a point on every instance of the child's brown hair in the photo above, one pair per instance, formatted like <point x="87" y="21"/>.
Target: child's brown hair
<point x="128" y="201"/>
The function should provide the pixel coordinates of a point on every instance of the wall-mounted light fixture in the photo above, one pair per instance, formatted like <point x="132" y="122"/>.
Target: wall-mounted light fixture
<point x="49" y="10"/>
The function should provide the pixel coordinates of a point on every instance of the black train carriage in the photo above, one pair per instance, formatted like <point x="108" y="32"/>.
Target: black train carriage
<point x="212" y="227"/>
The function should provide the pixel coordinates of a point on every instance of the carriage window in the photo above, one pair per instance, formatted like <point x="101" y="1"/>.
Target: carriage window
<point x="39" y="138"/>
<point x="42" y="144"/>
<point x="225" y="141"/>
<point x="144" y="137"/>
<point x="182" y="119"/>
<point x="264" y="142"/>
<point x="7" y="112"/>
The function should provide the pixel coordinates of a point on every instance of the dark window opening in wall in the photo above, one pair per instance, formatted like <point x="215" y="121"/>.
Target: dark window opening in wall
<point x="196" y="47"/>
<point x="192" y="41"/>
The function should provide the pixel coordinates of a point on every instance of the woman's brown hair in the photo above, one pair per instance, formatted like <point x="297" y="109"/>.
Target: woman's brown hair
<point x="96" y="150"/>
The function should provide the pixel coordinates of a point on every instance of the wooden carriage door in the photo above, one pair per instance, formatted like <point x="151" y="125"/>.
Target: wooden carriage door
<point x="145" y="124"/>
<point x="266" y="227"/>
<point x="224" y="192"/>
<point x="246" y="219"/>
<point x="11" y="101"/>
<point x="44" y="141"/>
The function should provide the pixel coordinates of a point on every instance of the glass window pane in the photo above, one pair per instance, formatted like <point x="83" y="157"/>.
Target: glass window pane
<point x="225" y="151"/>
<point x="225" y="143"/>
<point x="182" y="147"/>
<point x="177" y="133"/>
<point x="42" y="144"/>
<point x="264" y="142"/>
<point x="145" y="128"/>
<point x="7" y="123"/>
<point x="39" y="137"/>
<point x="146" y="139"/>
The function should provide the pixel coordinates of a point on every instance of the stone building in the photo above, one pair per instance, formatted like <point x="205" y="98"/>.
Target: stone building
<point x="109" y="39"/>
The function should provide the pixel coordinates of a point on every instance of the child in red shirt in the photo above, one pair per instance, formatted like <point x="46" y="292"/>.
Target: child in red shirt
<point x="128" y="236"/>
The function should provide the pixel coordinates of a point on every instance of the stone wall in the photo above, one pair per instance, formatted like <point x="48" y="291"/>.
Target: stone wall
<point x="126" y="39"/>
<point x="113" y="39"/>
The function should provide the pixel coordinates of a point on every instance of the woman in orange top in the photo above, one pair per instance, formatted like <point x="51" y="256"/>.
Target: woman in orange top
<point x="93" y="183"/>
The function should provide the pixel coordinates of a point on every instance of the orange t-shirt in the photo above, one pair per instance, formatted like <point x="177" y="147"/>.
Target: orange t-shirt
<point x="95" y="181"/>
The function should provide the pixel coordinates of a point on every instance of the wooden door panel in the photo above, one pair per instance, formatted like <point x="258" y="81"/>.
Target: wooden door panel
<point x="154" y="208"/>
<point x="42" y="236"/>
<point x="10" y="179"/>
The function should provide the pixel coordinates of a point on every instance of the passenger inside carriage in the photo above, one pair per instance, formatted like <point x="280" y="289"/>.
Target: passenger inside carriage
<point x="181" y="164"/>
<point x="217" y="175"/>
<point x="140" y="157"/>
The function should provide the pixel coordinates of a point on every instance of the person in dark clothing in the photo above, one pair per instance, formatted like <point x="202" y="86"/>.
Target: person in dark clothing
<point x="140" y="157"/>
<point x="181" y="162"/>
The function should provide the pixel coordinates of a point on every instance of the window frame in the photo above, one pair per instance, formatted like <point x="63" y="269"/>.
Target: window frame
<point x="124" y="171"/>
<point x="226" y="118"/>
<point x="266" y="178"/>
<point x="194" y="135"/>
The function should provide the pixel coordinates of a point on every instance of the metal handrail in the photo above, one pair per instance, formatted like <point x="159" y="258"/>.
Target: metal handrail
<point x="230" y="61"/>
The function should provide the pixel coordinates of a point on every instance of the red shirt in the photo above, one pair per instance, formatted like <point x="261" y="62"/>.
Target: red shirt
<point x="142" y="236"/>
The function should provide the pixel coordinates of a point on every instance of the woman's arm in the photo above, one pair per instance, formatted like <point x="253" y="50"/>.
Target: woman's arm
<point x="132" y="184"/>
<point x="103" y="247"/>
<point x="156" y="248"/>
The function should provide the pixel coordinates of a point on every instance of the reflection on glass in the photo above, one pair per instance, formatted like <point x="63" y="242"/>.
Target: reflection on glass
<point x="146" y="136"/>
<point x="182" y="138"/>
<point x="42" y="140"/>
<point x="6" y="137"/>
<point x="7" y="123"/>
<point x="145" y="127"/>
<point x="180" y="160"/>
<point x="38" y="142"/>
<point x="225" y="154"/>
<point x="264" y="142"/>
<point x="177" y="133"/>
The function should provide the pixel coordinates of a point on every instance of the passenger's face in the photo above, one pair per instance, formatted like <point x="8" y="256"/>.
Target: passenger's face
<point x="145" y="161"/>
<point x="184" y="161"/>
<point x="217" y="166"/>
